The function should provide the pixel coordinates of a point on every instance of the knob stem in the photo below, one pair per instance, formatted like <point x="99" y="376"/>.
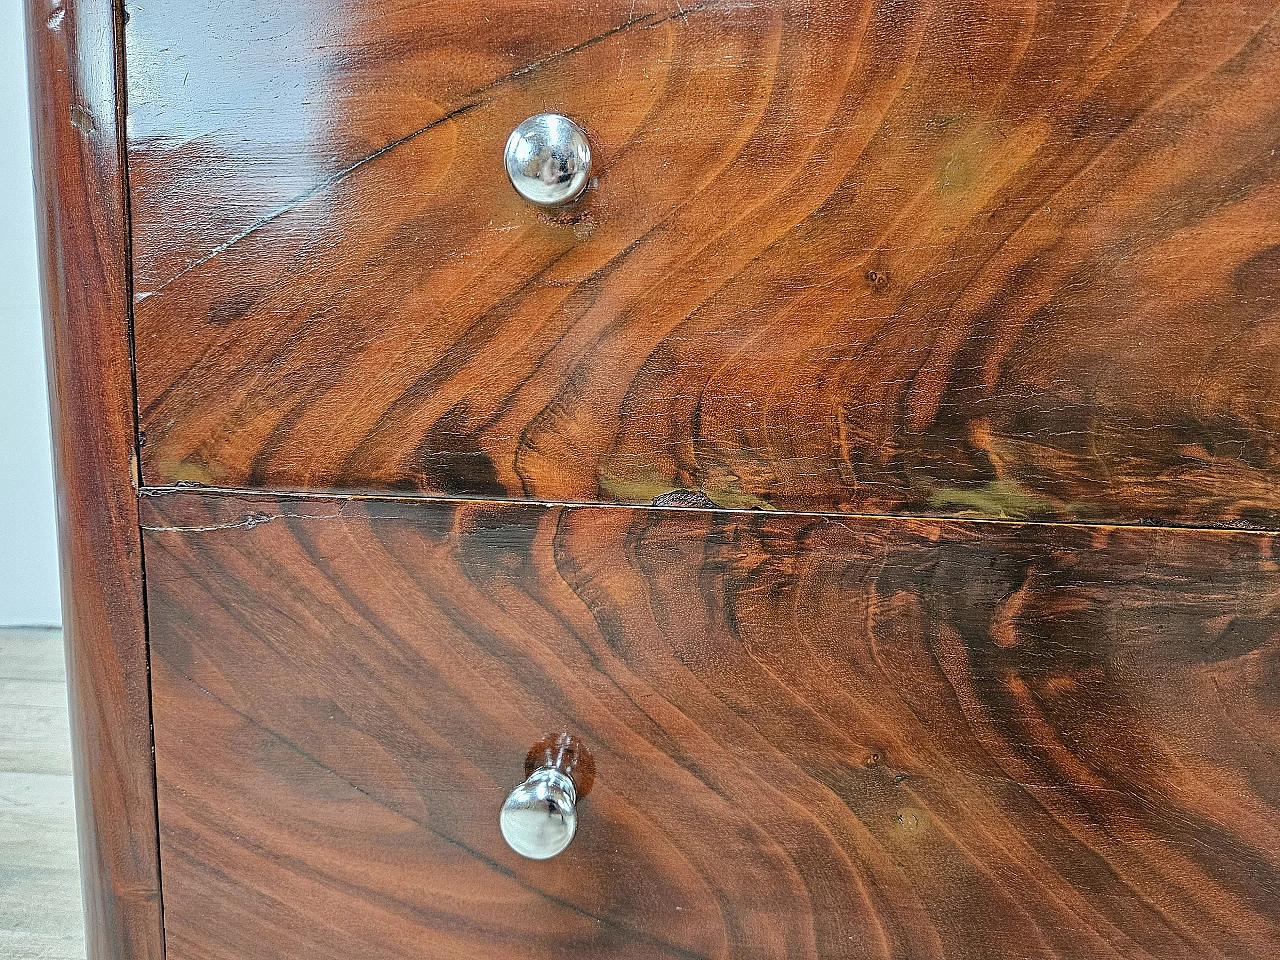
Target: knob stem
<point x="566" y="753"/>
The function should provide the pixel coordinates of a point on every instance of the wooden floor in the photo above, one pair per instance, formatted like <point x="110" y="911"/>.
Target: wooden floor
<point x="40" y="913"/>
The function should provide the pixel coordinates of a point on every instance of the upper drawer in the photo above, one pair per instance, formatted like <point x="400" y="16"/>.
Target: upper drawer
<point x="1007" y="259"/>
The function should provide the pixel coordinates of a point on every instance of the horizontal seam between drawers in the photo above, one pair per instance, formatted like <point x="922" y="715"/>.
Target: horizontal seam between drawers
<point x="242" y="493"/>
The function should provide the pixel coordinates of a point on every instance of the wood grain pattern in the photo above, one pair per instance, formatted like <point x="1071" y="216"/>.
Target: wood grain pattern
<point x="1013" y="259"/>
<point x="814" y="737"/>
<point x="79" y="194"/>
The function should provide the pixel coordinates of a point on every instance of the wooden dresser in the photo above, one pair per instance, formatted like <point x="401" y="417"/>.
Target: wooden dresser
<point x="831" y="449"/>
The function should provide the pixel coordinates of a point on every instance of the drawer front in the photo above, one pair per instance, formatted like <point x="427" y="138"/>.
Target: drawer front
<point x="974" y="257"/>
<point x="813" y="738"/>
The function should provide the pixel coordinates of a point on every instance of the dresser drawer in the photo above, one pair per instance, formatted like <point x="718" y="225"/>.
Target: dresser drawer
<point x="813" y="738"/>
<point x="1011" y="260"/>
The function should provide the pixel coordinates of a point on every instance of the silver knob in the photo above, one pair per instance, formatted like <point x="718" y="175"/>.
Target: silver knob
<point x="538" y="820"/>
<point x="548" y="159"/>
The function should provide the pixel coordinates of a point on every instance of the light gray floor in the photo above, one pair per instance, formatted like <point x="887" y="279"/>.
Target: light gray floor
<point x="40" y="912"/>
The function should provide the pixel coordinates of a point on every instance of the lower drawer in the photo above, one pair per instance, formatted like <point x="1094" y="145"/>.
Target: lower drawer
<point x="813" y="737"/>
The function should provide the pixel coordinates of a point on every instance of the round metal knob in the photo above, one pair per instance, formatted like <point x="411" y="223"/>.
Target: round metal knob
<point x="548" y="159"/>
<point x="538" y="820"/>
<point x="540" y="816"/>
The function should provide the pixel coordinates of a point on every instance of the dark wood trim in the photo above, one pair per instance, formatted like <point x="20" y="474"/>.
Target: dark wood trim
<point x="83" y="245"/>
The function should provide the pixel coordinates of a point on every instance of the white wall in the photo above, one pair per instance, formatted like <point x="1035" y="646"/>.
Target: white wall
<point x="28" y="548"/>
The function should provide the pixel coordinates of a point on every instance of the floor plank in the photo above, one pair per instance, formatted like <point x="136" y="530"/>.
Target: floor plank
<point x="40" y="913"/>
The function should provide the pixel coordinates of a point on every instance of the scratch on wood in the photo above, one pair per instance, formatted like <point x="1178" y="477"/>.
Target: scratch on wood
<point x="475" y="99"/>
<point x="246" y="522"/>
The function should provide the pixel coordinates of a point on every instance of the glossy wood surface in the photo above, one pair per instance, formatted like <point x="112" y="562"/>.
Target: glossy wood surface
<point x="813" y="737"/>
<point x="79" y="197"/>
<point x="971" y="257"/>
